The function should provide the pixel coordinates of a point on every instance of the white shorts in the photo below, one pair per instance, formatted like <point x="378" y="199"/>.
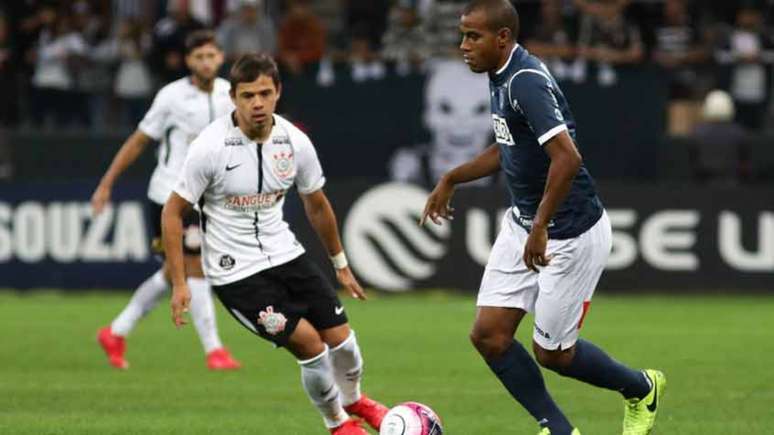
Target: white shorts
<point x="561" y="293"/>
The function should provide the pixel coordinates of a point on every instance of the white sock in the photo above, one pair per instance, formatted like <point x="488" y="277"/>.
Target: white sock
<point x="143" y="300"/>
<point x="320" y="386"/>
<point x="203" y="314"/>
<point x="348" y="369"/>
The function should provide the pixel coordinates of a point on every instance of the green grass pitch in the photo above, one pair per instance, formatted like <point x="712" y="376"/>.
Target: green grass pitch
<point x="717" y="353"/>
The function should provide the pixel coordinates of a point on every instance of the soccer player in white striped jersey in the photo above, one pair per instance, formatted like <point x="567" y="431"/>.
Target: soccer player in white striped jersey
<point x="239" y="171"/>
<point x="179" y="112"/>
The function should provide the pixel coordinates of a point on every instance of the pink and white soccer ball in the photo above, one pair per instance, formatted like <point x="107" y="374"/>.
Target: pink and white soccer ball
<point x="411" y="418"/>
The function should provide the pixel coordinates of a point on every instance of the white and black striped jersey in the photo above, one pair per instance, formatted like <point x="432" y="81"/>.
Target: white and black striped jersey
<point x="240" y="187"/>
<point x="178" y="114"/>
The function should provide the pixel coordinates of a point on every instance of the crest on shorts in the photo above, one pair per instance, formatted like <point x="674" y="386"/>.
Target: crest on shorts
<point x="283" y="164"/>
<point x="227" y="262"/>
<point x="272" y="322"/>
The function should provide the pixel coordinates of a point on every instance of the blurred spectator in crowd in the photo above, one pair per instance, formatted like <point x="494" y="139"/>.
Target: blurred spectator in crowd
<point x="202" y="11"/>
<point x="607" y="38"/>
<point x="719" y="152"/>
<point x="92" y="82"/>
<point x="367" y="18"/>
<point x="553" y="39"/>
<point x="405" y="41"/>
<point x="169" y="41"/>
<point x="680" y="46"/>
<point x="248" y="30"/>
<point x="601" y="8"/>
<point x="442" y="21"/>
<point x="302" y="37"/>
<point x="133" y="83"/>
<point x="747" y="48"/>
<point x="365" y="61"/>
<point x="9" y="108"/>
<point x="131" y="10"/>
<point x="59" y="55"/>
<point x="26" y="26"/>
<point x="87" y="20"/>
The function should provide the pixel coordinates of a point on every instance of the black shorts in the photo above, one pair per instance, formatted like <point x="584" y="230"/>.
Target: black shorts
<point x="271" y="302"/>
<point x="192" y="242"/>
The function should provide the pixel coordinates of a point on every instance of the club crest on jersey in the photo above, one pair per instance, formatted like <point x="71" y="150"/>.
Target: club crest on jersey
<point x="233" y="141"/>
<point x="283" y="164"/>
<point x="501" y="130"/>
<point x="272" y="322"/>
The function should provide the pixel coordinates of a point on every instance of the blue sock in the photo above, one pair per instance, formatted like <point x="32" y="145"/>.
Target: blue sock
<point x="522" y="378"/>
<point x="593" y="366"/>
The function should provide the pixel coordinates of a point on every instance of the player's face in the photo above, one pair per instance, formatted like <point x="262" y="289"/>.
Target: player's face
<point x="479" y="44"/>
<point x="205" y="61"/>
<point x="256" y="101"/>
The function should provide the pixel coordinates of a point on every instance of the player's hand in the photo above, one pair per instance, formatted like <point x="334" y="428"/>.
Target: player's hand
<point x="99" y="198"/>
<point x="347" y="279"/>
<point x="181" y="300"/>
<point x="439" y="203"/>
<point x="535" y="248"/>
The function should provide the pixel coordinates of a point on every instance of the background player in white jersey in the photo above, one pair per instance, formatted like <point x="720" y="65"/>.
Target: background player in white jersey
<point x="555" y="239"/>
<point x="239" y="171"/>
<point x="179" y="112"/>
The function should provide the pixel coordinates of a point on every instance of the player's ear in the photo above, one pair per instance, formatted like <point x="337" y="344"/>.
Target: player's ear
<point x="504" y="36"/>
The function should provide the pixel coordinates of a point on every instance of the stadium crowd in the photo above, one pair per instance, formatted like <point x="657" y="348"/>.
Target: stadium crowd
<point x="96" y="63"/>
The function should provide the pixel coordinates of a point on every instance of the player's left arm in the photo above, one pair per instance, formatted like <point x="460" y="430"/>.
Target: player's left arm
<point x="323" y="219"/>
<point x="565" y="164"/>
<point x="535" y="94"/>
<point x="310" y="181"/>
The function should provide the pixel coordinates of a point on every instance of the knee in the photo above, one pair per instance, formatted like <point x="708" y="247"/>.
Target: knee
<point x="305" y="343"/>
<point x="556" y="360"/>
<point x="489" y="344"/>
<point x="308" y="350"/>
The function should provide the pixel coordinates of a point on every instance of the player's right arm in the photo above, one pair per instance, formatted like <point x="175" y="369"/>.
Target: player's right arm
<point x="438" y="203"/>
<point x="172" y="229"/>
<point x="194" y="179"/>
<point x="128" y="154"/>
<point x="151" y="128"/>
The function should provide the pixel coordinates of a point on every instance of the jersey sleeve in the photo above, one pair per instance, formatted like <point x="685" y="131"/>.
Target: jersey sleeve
<point x="532" y="92"/>
<point x="196" y="174"/>
<point x="309" y="174"/>
<point x="156" y="118"/>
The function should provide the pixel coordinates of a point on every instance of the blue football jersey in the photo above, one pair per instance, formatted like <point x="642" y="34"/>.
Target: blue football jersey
<point x="528" y="110"/>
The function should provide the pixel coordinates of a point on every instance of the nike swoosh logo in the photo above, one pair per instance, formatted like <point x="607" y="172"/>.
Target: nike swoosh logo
<point x="339" y="310"/>
<point x="654" y="404"/>
<point x="229" y="168"/>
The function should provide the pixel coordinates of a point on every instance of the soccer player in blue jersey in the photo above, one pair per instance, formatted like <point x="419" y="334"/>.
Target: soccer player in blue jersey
<point x="555" y="238"/>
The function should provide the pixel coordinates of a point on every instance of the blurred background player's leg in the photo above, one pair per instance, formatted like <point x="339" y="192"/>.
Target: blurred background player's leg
<point x="113" y="338"/>
<point x="203" y="316"/>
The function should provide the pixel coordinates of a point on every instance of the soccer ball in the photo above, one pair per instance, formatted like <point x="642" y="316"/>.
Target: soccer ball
<point x="411" y="418"/>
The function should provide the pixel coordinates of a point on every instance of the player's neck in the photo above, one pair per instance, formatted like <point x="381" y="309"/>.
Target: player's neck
<point x="259" y="134"/>
<point x="505" y="56"/>
<point x="202" y="85"/>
